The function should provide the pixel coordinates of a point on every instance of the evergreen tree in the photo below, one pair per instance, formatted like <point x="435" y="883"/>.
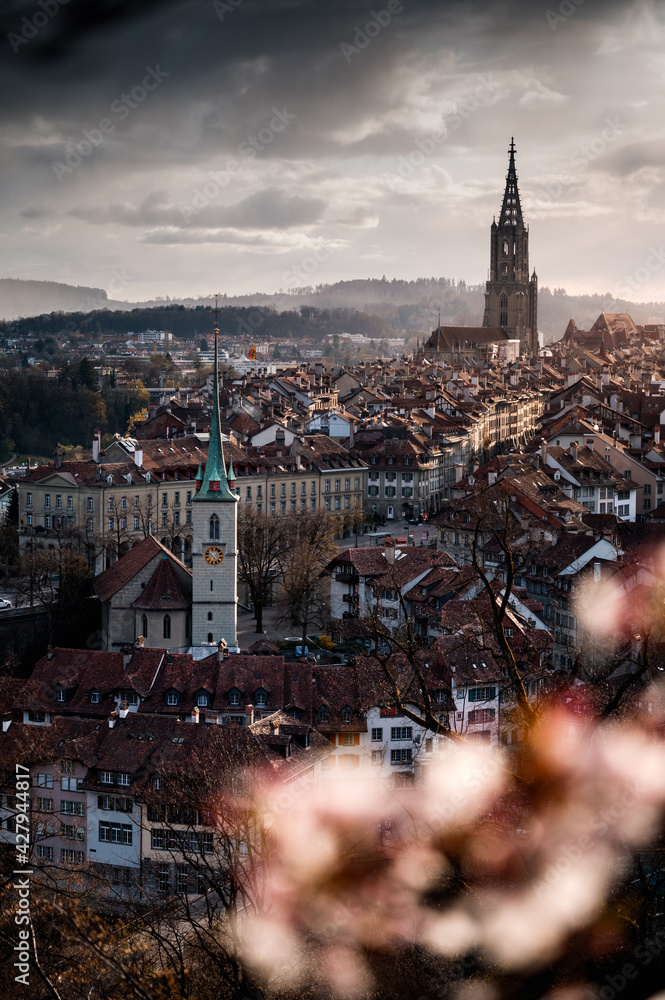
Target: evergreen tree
<point x="86" y="374"/>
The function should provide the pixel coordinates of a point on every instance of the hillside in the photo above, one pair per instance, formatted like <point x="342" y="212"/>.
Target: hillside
<point x="411" y="306"/>
<point x="30" y="298"/>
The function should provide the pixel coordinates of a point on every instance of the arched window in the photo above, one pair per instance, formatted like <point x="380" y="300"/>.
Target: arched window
<point x="144" y="625"/>
<point x="503" y="316"/>
<point x="167" y="626"/>
<point x="209" y="636"/>
<point x="214" y="528"/>
<point x="505" y="248"/>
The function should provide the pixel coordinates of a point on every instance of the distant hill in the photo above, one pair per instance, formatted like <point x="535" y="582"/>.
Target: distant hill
<point x="411" y="306"/>
<point x="30" y="298"/>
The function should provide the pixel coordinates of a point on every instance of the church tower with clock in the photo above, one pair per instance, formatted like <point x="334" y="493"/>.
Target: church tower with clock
<point x="214" y="543"/>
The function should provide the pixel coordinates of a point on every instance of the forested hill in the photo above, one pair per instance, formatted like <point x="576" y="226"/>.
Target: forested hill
<point x="190" y="323"/>
<point x="388" y="306"/>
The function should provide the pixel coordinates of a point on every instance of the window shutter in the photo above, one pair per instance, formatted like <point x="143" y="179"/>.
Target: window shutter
<point x="356" y="739"/>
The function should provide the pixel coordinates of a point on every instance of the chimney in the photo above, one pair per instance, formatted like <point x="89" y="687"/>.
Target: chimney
<point x="57" y="456"/>
<point x="126" y="656"/>
<point x="140" y="642"/>
<point x="249" y="710"/>
<point x="195" y="715"/>
<point x="656" y="434"/>
<point x="123" y="709"/>
<point x="49" y="654"/>
<point x="96" y="445"/>
<point x="589" y="444"/>
<point x="491" y="478"/>
<point x="596" y="571"/>
<point x="222" y="647"/>
<point x="573" y="451"/>
<point x="138" y="457"/>
<point x="113" y="718"/>
<point x="389" y="555"/>
<point x="459" y="472"/>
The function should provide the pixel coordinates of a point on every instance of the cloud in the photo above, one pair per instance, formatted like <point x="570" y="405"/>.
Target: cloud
<point x="269" y="209"/>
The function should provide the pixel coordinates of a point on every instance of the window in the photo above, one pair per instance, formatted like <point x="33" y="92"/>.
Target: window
<point x="172" y="698"/>
<point x="110" y="524"/>
<point x="47" y="521"/>
<point x="157" y="782"/>
<point x="44" y="781"/>
<point x="349" y="760"/>
<point x="646" y="504"/>
<point x="60" y="694"/>
<point x="401" y="732"/>
<point x="338" y="485"/>
<point x="503" y="311"/>
<point x="29" y="520"/>
<point x="400" y="756"/>
<point x="356" y="483"/>
<point x="327" y="486"/>
<point x="47" y="500"/>
<point x="482" y="694"/>
<point x="481" y="715"/>
<point x="69" y="831"/>
<point x="326" y="502"/>
<point x="167" y="626"/>
<point x="176" y="499"/>
<point x="347" y="484"/>
<point x="202" y="699"/>
<point x="181" y="878"/>
<point x="338" y="503"/>
<point x="377" y="735"/>
<point x="282" y="491"/>
<point x="348" y="739"/>
<point x="259" y="492"/>
<point x="188" y="517"/>
<point x="165" y="499"/>
<point x="272" y="490"/>
<point x="282" y="506"/>
<point x="377" y="756"/>
<point x="407" y="460"/>
<point x="28" y="500"/>
<point x="293" y="489"/>
<point x="45" y="853"/>
<point x="106" y="777"/>
<point x="347" y="714"/>
<point x="89" y="524"/>
<point x="163" y="879"/>
<point x="105" y="803"/>
<point x="90" y="503"/>
<point x="124" y="779"/>
<point x="234" y="697"/>
<point x="313" y="489"/>
<point x="261" y="697"/>
<point x="71" y="808"/>
<point x="45" y="805"/>
<point x="137" y="523"/>
<point x="115" y="833"/>
<point x="214" y="528"/>
<point x="71" y="857"/>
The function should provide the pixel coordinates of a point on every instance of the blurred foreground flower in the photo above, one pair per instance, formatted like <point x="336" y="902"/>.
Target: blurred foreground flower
<point x="504" y="857"/>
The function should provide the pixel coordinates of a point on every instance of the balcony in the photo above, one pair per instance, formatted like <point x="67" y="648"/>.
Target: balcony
<point x="350" y="578"/>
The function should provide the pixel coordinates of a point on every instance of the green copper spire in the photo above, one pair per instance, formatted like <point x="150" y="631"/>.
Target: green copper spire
<point x="215" y="485"/>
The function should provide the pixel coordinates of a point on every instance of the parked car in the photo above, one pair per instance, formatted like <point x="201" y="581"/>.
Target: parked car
<point x="4" y="604"/>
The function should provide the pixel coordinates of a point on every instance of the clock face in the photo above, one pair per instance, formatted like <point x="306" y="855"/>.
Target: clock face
<point x="213" y="555"/>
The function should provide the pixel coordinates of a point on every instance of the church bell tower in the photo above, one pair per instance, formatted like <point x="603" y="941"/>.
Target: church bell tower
<point x="511" y="297"/>
<point x="214" y="542"/>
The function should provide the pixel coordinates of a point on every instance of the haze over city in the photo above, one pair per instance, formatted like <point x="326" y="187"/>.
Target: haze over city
<point x="177" y="148"/>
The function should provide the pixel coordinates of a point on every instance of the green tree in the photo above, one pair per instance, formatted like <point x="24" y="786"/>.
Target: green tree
<point x="86" y="374"/>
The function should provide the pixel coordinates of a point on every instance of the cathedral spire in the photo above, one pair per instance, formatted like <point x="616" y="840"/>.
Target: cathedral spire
<point x="511" y="209"/>
<point x="215" y="485"/>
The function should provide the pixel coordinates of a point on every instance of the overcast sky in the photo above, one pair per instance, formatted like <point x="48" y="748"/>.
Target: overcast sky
<point x="252" y="145"/>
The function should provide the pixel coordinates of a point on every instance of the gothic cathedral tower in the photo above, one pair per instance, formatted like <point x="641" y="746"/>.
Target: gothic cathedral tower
<point x="511" y="297"/>
<point x="214" y="542"/>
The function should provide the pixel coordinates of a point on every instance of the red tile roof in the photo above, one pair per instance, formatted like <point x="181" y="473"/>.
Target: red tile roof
<point x="125" y="569"/>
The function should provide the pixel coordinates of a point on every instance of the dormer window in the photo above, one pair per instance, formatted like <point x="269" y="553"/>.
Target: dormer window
<point x="202" y="699"/>
<point x="109" y="480"/>
<point x="172" y="698"/>
<point x="157" y="782"/>
<point x="374" y="459"/>
<point x="261" y="697"/>
<point x="95" y="697"/>
<point x="323" y="714"/>
<point x="234" y="696"/>
<point x="60" y="694"/>
<point x="347" y="714"/>
<point x="407" y="460"/>
<point x="391" y="460"/>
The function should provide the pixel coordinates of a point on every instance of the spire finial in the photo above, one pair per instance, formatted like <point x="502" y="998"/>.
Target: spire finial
<point x="215" y="484"/>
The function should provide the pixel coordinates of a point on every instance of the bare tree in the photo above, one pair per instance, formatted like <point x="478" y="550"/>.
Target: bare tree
<point x="260" y="544"/>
